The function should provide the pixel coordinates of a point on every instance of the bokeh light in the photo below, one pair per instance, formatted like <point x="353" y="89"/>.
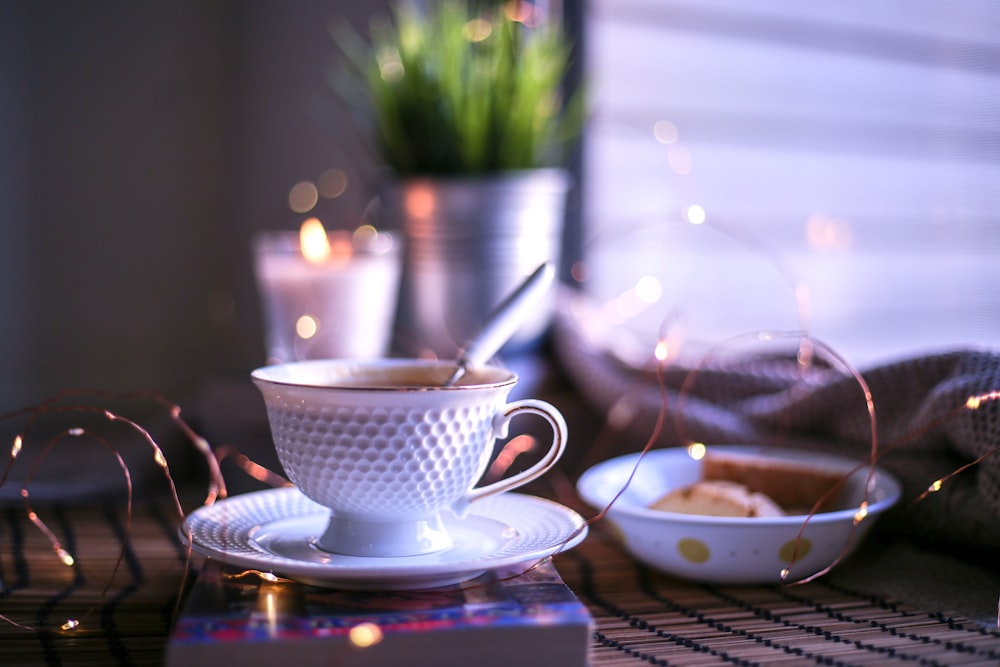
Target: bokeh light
<point x="665" y="132"/>
<point x="365" y="635"/>
<point x="391" y="67"/>
<point x="303" y="197"/>
<point x="648" y="289"/>
<point x="697" y="450"/>
<point x="306" y="326"/>
<point x="368" y="238"/>
<point x="477" y="30"/>
<point x="332" y="183"/>
<point x="695" y="214"/>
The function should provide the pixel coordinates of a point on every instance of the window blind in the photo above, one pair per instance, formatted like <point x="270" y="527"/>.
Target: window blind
<point x="849" y="151"/>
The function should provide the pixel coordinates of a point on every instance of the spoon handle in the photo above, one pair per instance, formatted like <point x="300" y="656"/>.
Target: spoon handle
<point x="503" y="322"/>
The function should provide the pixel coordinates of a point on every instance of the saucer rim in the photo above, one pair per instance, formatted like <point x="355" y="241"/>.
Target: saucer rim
<point x="375" y="573"/>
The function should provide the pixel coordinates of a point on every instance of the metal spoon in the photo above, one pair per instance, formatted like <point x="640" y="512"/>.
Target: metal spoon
<point x="503" y="322"/>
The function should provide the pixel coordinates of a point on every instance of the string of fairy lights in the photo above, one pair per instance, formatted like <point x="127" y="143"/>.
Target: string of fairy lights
<point x="216" y="489"/>
<point x="664" y="350"/>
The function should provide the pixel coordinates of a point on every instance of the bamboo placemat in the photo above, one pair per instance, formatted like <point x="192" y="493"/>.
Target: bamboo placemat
<point x="642" y="617"/>
<point x="122" y="621"/>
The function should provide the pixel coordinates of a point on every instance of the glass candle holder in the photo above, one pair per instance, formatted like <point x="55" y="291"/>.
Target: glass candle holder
<point x="336" y="304"/>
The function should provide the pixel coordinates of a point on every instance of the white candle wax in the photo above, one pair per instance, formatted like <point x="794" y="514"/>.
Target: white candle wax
<point x="342" y="307"/>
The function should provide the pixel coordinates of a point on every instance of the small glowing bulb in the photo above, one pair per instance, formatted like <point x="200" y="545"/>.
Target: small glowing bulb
<point x="16" y="447"/>
<point x="862" y="512"/>
<point x="76" y="432"/>
<point x="268" y="576"/>
<point x="697" y="451"/>
<point x="70" y="624"/>
<point x="160" y="459"/>
<point x="695" y="214"/>
<point x="973" y="403"/>
<point x="364" y="635"/>
<point x="65" y="557"/>
<point x="785" y="572"/>
<point x="935" y="486"/>
<point x="306" y="327"/>
<point x="648" y="289"/>
<point x="662" y="350"/>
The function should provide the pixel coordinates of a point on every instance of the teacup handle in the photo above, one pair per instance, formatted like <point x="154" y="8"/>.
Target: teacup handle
<point x="500" y="426"/>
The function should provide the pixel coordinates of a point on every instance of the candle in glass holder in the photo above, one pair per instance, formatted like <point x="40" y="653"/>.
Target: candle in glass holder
<point x="327" y="296"/>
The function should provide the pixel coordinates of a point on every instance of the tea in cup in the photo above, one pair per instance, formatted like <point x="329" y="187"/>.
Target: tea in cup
<point x="387" y="447"/>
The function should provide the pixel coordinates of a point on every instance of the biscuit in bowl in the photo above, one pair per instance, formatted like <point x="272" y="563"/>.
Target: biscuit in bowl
<point x="717" y="498"/>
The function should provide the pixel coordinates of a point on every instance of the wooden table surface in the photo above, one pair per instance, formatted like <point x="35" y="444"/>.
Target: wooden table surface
<point x="891" y="603"/>
<point x="641" y="617"/>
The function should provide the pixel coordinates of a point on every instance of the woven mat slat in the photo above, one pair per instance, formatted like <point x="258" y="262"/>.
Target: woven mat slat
<point x="645" y="617"/>
<point x="124" y="620"/>
<point x="641" y="617"/>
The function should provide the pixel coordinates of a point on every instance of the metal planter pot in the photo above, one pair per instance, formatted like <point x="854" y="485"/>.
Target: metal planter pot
<point x="469" y="243"/>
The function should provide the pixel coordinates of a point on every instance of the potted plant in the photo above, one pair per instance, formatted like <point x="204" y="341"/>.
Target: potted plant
<point x="466" y="109"/>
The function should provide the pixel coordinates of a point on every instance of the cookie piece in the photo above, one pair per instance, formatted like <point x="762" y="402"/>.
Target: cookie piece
<point x="718" y="498"/>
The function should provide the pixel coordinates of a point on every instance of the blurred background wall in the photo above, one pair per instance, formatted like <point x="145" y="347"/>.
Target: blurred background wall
<point x="141" y="144"/>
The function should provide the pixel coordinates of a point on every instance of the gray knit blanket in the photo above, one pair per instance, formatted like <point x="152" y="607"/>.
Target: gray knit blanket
<point x="926" y="427"/>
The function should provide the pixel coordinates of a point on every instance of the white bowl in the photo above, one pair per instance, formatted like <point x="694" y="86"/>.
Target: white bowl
<point x="732" y="550"/>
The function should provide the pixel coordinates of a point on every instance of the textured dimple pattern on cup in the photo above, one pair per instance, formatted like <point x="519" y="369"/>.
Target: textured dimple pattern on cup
<point x="359" y="459"/>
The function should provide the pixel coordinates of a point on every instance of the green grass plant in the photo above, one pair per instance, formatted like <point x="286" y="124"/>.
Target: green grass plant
<point x="449" y="90"/>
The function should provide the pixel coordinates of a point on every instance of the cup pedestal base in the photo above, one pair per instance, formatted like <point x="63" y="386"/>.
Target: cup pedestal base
<point x="384" y="539"/>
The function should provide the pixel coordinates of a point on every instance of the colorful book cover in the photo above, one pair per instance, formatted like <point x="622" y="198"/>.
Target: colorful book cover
<point x="500" y="618"/>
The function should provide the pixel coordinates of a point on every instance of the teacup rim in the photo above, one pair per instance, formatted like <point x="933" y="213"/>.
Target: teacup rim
<point x="261" y="375"/>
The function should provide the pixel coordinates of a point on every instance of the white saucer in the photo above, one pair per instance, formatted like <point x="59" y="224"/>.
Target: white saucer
<point x="275" y="530"/>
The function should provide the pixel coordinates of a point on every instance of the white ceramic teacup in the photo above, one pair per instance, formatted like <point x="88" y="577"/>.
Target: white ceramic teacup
<point x="387" y="448"/>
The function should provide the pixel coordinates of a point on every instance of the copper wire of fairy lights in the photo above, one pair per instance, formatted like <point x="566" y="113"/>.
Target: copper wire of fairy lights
<point x="216" y="485"/>
<point x="249" y="467"/>
<point x="514" y="448"/>
<point x="663" y="352"/>
<point x="808" y="346"/>
<point x="813" y="346"/>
